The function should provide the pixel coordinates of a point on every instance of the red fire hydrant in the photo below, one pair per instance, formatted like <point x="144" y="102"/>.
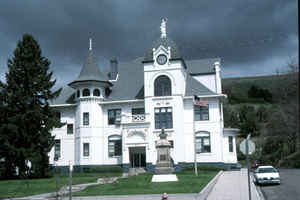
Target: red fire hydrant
<point x="164" y="196"/>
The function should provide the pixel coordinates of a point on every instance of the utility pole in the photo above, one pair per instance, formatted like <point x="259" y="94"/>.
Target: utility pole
<point x="194" y="134"/>
<point x="248" y="165"/>
<point x="70" y="180"/>
<point x="55" y="174"/>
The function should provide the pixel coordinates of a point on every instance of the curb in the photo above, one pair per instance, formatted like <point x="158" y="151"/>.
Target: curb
<point x="259" y="192"/>
<point x="209" y="187"/>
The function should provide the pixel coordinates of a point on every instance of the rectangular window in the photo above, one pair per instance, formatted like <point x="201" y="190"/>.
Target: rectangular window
<point x="113" y="116"/>
<point x="163" y="118"/>
<point x="86" y="149"/>
<point x="70" y="129"/>
<point x="57" y="149"/>
<point x="86" y="118"/>
<point x="201" y="113"/>
<point x="203" y="142"/>
<point x="230" y="142"/>
<point x="138" y="111"/>
<point x="114" y="146"/>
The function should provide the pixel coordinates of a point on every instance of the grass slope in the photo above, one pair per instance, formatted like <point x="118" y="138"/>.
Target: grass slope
<point x="20" y="188"/>
<point x="141" y="184"/>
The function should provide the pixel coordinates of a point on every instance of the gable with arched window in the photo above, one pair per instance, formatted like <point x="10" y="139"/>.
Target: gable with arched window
<point x="162" y="86"/>
<point x="203" y="142"/>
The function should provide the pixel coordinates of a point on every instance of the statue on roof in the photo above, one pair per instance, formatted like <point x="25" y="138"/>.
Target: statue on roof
<point x="163" y="28"/>
<point x="90" y="48"/>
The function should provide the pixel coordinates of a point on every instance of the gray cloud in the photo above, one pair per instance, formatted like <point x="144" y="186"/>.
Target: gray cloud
<point x="246" y="34"/>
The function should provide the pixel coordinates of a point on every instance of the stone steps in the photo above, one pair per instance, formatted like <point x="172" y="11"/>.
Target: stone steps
<point x="164" y="170"/>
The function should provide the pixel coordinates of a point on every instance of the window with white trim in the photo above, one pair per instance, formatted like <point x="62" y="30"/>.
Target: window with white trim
<point x="96" y="92"/>
<point x="163" y="118"/>
<point x="203" y="142"/>
<point x="86" y="92"/>
<point x="114" y="145"/>
<point x="69" y="128"/>
<point x="86" y="149"/>
<point x="113" y="116"/>
<point x="162" y="86"/>
<point x="201" y="113"/>
<point x="57" y="149"/>
<point x="86" y="118"/>
<point x="230" y="142"/>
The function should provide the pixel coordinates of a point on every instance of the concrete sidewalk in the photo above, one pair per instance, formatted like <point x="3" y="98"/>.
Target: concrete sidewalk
<point x="233" y="185"/>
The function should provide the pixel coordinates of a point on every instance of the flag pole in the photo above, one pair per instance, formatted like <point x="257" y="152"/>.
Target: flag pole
<point x="194" y="134"/>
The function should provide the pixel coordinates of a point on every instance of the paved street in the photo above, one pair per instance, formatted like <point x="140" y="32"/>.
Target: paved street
<point x="233" y="185"/>
<point x="288" y="189"/>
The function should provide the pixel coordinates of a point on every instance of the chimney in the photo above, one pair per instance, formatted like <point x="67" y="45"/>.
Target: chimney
<point x="113" y="69"/>
<point x="218" y="77"/>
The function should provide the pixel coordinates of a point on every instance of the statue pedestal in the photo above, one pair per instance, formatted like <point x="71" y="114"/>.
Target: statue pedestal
<point x="164" y="178"/>
<point x="164" y="167"/>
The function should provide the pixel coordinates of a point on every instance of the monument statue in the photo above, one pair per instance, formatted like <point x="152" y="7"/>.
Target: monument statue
<point x="163" y="164"/>
<point x="163" y="28"/>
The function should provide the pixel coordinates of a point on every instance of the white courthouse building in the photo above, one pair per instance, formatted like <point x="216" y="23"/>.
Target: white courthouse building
<point x="116" y="118"/>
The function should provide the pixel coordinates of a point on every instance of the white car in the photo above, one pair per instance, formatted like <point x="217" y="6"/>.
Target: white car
<point x="266" y="175"/>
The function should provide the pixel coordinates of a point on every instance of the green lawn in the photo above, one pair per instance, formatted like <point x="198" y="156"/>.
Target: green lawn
<point x="19" y="188"/>
<point x="141" y="184"/>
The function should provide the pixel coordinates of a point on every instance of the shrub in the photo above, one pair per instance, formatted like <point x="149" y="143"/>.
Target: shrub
<point x="292" y="161"/>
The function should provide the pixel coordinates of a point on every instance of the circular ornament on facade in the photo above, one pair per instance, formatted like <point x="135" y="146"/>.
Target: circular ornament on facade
<point x="161" y="59"/>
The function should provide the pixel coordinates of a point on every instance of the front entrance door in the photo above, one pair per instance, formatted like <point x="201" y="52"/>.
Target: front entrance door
<point x="137" y="157"/>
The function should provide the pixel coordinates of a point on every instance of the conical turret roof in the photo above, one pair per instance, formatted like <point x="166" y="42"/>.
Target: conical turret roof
<point x="90" y="71"/>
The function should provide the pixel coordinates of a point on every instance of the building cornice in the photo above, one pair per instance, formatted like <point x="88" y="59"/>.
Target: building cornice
<point x="122" y="101"/>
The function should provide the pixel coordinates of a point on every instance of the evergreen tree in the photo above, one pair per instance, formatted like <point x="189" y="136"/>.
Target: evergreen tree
<point x="26" y="119"/>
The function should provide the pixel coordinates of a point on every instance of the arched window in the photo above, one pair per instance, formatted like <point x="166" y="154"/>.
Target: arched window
<point x="78" y="93"/>
<point x="96" y="93"/>
<point x="203" y="142"/>
<point x="162" y="86"/>
<point x="86" y="92"/>
<point x="114" y="145"/>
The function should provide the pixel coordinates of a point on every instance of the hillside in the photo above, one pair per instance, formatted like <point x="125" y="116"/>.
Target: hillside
<point x="273" y="124"/>
<point x="237" y="88"/>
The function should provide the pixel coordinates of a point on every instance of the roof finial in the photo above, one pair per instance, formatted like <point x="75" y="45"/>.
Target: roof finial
<point x="90" y="44"/>
<point x="163" y="28"/>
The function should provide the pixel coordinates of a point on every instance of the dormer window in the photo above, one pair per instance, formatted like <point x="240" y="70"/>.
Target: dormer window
<point x="96" y="92"/>
<point x="162" y="86"/>
<point x="78" y="93"/>
<point x="86" y="92"/>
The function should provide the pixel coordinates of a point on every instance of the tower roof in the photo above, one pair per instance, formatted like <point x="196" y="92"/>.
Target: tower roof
<point x="90" y="71"/>
<point x="165" y="42"/>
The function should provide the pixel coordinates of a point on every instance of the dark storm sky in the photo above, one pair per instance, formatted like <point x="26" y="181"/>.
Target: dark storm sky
<point x="253" y="37"/>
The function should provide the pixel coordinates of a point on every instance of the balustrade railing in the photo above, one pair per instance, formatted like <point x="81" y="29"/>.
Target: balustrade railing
<point x="138" y="118"/>
<point x="133" y="118"/>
